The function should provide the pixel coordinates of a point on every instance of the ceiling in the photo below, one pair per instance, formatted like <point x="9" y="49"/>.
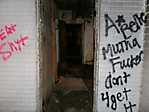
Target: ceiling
<point x="82" y="8"/>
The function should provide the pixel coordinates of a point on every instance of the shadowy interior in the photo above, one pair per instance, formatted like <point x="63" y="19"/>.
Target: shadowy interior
<point x="73" y="90"/>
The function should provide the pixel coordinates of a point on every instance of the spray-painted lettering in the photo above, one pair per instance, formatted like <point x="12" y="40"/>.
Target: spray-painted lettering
<point x="10" y="46"/>
<point x="125" y="28"/>
<point x="120" y="57"/>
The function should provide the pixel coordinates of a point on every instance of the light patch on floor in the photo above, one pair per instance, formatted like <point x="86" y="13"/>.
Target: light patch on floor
<point x="75" y="84"/>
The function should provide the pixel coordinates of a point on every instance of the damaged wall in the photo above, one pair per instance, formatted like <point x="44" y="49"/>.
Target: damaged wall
<point x="88" y="42"/>
<point x="48" y="55"/>
<point x="144" y="94"/>
<point x="87" y="33"/>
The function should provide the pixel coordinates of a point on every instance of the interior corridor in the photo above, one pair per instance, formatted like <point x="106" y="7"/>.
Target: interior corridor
<point x="73" y="27"/>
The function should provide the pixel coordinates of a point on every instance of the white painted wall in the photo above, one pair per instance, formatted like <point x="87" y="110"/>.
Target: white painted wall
<point x="18" y="76"/>
<point x="114" y="8"/>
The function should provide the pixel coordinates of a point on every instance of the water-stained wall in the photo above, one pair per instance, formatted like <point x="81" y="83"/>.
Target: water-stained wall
<point x="88" y="42"/>
<point x="48" y="62"/>
<point x="145" y="82"/>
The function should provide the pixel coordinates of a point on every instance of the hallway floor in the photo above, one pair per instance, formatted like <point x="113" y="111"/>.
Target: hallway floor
<point x="72" y="94"/>
<point x="70" y="101"/>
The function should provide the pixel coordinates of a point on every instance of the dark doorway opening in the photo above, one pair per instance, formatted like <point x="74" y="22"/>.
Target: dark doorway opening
<point x="74" y="47"/>
<point x="70" y="44"/>
<point x="75" y="77"/>
<point x="73" y="90"/>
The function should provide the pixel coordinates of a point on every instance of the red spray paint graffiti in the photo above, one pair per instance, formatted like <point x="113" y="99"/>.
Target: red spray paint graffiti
<point x="7" y="30"/>
<point x="9" y="47"/>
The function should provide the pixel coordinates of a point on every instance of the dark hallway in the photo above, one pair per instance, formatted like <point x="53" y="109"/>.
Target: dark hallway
<point x="73" y="90"/>
<point x="74" y="48"/>
<point x="70" y="43"/>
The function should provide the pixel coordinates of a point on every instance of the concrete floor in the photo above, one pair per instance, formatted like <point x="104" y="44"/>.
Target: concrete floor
<point x="72" y="94"/>
<point x="71" y="97"/>
<point x="70" y="101"/>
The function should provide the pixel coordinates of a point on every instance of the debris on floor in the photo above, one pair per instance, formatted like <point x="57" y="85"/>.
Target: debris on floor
<point x="70" y="101"/>
<point x="74" y="91"/>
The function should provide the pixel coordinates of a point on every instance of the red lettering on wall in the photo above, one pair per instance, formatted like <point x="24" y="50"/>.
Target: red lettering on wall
<point x="2" y="34"/>
<point x="9" y="47"/>
<point x="10" y="29"/>
<point x="7" y="31"/>
<point x="5" y="54"/>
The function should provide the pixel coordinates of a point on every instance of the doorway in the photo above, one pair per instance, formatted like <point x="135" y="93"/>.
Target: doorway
<point x="73" y="90"/>
<point x="70" y="43"/>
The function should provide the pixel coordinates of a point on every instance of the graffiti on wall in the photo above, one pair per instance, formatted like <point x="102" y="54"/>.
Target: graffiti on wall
<point x="9" y="46"/>
<point x="118" y="75"/>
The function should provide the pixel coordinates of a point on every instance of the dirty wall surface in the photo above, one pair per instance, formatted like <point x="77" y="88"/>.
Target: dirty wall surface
<point x="120" y="55"/>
